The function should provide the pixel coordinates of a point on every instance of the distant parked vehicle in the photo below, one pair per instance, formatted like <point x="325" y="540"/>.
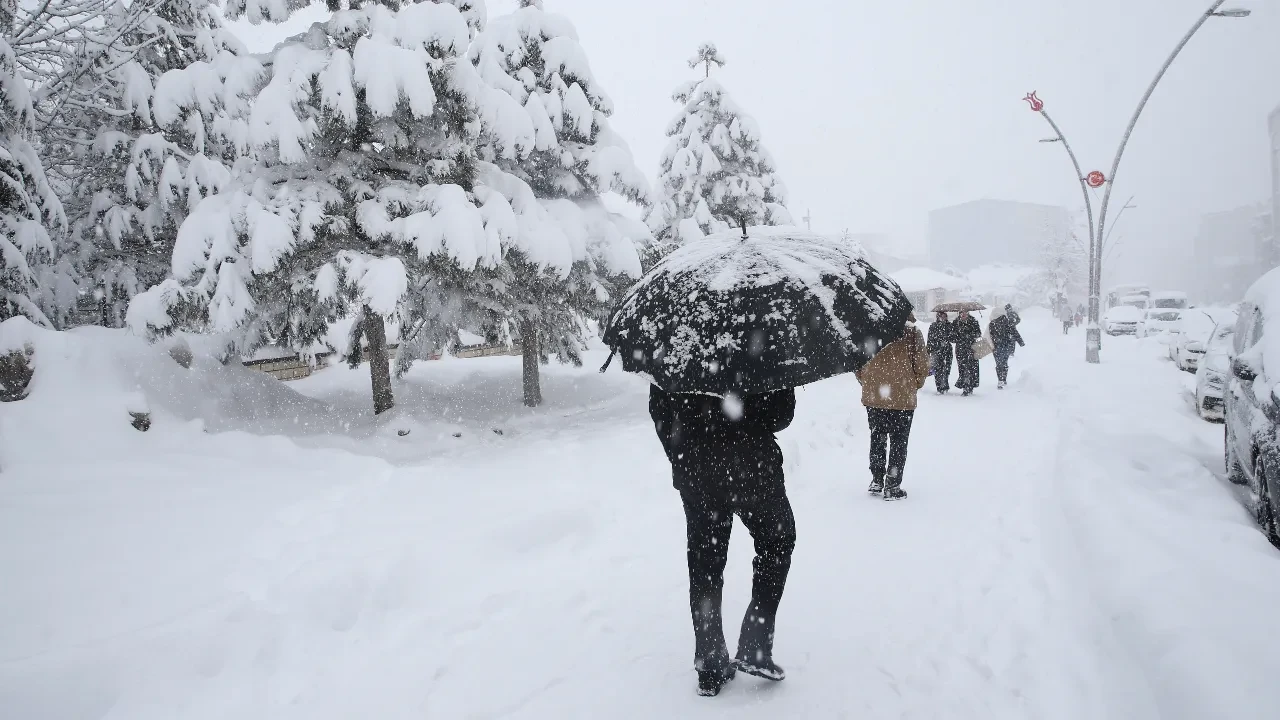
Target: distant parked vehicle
<point x="1142" y="302"/>
<point x="1188" y="340"/>
<point x="1252" y="404"/>
<point x="1169" y="300"/>
<point x="1122" y="320"/>
<point x="1159" y="323"/>
<point x="1121" y="291"/>
<point x="1215" y="371"/>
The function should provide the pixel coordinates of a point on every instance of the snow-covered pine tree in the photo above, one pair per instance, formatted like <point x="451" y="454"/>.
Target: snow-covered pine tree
<point x="570" y="252"/>
<point x="29" y="209"/>
<point x="370" y="197"/>
<point x="715" y="173"/>
<point x="1064" y="259"/>
<point x="144" y="122"/>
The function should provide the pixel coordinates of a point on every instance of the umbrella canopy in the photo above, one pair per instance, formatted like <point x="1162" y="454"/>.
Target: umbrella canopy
<point x="774" y="309"/>
<point x="960" y="307"/>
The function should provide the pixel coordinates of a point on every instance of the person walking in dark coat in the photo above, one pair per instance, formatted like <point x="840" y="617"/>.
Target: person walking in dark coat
<point x="967" y="332"/>
<point x="940" y="346"/>
<point x="889" y="386"/>
<point x="1005" y="340"/>
<point x="725" y="461"/>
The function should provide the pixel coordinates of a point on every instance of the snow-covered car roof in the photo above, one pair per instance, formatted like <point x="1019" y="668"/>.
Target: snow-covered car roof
<point x="1124" y="313"/>
<point x="1265" y="295"/>
<point x="1169" y="295"/>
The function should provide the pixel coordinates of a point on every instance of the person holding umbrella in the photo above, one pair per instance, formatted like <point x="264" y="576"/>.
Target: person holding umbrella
<point x="726" y="462"/>
<point x="724" y="329"/>
<point x="967" y="332"/>
<point x="940" y="346"/>
<point x="1005" y="338"/>
<point x="889" y="386"/>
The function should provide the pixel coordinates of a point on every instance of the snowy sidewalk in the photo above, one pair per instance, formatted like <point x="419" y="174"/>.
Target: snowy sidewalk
<point x="1043" y="566"/>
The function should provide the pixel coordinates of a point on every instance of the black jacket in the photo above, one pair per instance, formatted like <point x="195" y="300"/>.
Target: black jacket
<point x="967" y="333"/>
<point x="1004" y="333"/>
<point x="713" y="453"/>
<point x="942" y="335"/>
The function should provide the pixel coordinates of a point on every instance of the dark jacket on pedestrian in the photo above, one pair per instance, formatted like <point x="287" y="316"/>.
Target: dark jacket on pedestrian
<point x="892" y="378"/>
<point x="723" y="447"/>
<point x="942" y="335"/>
<point x="967" y="332"/>
<point x="1004" y="334"/>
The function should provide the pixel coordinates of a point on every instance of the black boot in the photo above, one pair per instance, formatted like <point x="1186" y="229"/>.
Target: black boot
<point x="712" y="679"/>
<point x="755" y="647"/>
<point x="876" y="487"/>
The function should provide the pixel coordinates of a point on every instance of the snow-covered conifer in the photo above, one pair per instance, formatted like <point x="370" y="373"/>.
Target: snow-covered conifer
<point x="29" y="209"/>
<point x="145" y="120"/>
<point x="715" y="173"/>
<point x="569" y="253"/>
<point x="370" y="197"/>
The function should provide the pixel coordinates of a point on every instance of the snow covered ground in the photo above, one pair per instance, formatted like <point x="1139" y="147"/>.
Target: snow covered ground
<point x="1069" y="550"/>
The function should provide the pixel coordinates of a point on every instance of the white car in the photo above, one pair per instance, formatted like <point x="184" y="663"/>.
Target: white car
<point x="1169" y="300"/>
<point x="1159" y="323"/>
<point x="1215" y="371"/>
<point x="1142" y="302"/>
<point x="1122" y="320"/>
<point x="1187" y="342"/>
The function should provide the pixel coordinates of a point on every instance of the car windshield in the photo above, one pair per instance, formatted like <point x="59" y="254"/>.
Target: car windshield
<point x="1167" y="316"/>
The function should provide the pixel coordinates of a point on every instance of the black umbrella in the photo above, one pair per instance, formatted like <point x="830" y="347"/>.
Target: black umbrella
<point x="772" y="309"/>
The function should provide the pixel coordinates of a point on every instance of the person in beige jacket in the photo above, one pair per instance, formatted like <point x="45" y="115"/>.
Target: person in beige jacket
<point x="889" y="386"/>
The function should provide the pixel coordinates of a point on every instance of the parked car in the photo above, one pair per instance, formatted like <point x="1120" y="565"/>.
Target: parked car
<point x="1215" y="371"/>
<point x="1252" y="404"/>
<point x="1122" y="320"/>
<point x="1169" y="300"/>
<point x="1159" y="323"/>
<point x="1188" y="340"/>
<point x="1142" y="302"/>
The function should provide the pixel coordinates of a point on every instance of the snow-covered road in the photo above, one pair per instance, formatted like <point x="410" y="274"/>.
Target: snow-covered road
<point x="1068" y="551"/>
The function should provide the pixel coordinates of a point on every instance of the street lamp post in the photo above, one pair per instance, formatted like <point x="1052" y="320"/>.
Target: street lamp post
<point x="1037" y="105"/>
<point x="1093" y="336"/>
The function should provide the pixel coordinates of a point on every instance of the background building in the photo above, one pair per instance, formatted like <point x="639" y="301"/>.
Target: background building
<point x="1228" y="252"/>
<point x="1271" y="253"/>
<point x="992" y="232"/>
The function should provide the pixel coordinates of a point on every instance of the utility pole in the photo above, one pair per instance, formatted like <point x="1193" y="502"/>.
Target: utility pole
<point x="1095" y="179"/>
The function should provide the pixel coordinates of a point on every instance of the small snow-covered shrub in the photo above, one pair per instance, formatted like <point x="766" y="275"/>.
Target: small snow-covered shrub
<point x="16" y="370"/>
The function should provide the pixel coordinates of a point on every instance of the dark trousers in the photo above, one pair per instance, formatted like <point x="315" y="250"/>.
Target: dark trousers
<point x="941" y="369"/>
<point x="1066" y="327"/>
<point x="709" y="521"/>
<point x="1002" y="364"/>
<point x="969" y="370"/>
<point x="890" y="430"/>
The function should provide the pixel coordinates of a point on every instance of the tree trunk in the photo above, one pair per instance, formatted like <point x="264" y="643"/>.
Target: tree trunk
<point x="529" y="345"/>
<point x="379" y="364"/>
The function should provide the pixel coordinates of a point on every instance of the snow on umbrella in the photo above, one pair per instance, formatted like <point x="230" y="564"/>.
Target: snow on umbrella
<point x="770" y="309"/>
<point x="960" y="307"/>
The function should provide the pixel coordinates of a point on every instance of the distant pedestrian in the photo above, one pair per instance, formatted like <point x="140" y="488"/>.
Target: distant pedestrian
<point x="889" y="386"/>
<point x="941" y="345"/>
<point x="967" y="332"/>
<point x="1067" y="317"/>
<point x="726" y="462"/>
<point x="1005" y="338"/>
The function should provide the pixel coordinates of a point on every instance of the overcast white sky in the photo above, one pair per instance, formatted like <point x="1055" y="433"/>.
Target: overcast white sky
<point x="877" y="112"/>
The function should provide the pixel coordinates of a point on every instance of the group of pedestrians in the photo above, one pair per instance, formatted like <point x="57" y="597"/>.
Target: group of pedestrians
<point x="960" y="338"/>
